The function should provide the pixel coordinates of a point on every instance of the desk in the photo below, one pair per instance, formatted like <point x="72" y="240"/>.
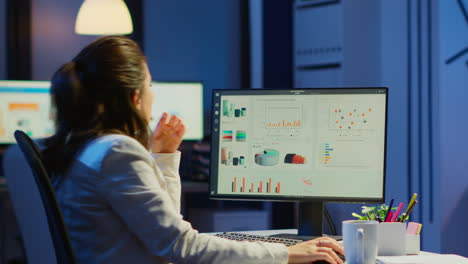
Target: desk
<point x="422" y="258"/>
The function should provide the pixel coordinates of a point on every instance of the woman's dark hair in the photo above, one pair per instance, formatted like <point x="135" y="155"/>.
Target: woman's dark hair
<point x="92" y="96"/>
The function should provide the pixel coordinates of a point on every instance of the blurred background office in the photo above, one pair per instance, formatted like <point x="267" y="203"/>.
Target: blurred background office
<point x="417" y="48"/>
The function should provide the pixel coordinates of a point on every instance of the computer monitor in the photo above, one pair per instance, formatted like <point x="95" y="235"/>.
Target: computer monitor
<point x="184" y="99"/>
<point x="306" y="145"/>
<point x="25" y="105"/>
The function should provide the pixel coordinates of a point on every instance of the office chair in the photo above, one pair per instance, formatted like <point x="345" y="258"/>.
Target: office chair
<point x="44" y="233"/>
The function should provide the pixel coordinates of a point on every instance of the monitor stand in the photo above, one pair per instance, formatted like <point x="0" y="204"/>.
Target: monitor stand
<point x="310" y="222"/>
<point x="310" y="219"/>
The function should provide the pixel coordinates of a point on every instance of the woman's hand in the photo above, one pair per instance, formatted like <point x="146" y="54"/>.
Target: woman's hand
<point x="322" y="248"/>
<point x="168" y="135"/>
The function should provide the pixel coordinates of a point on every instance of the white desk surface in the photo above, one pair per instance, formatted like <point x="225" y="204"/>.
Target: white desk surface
<point x="422" y="258"/>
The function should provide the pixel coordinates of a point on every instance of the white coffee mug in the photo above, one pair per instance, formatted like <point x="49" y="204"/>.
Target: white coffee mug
<point x="360" y="241"/>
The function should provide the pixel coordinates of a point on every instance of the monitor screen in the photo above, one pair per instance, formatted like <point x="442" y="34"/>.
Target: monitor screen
<point x="322" y="144"/>
<point x="184" y="99"/>
<point x="25" y="105"/>
<point x="308" y="145"/>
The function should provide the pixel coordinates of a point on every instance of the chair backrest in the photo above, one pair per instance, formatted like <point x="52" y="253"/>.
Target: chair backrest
<point x="40" y="200"/>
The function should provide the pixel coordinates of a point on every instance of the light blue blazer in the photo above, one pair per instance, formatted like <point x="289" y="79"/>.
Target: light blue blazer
<point x="121" y="204"/>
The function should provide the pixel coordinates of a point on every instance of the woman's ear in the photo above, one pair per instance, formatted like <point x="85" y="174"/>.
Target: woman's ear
<point x="136" y="99"/>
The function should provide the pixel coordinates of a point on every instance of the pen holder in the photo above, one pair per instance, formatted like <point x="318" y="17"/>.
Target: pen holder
<point x="412" y="244"/>
<point x="391" y="239"/>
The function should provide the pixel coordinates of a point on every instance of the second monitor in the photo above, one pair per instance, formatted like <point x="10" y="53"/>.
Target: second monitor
<point x="25" y="105"/>
<point x="184" y="99"/>
<point x="307" y="145"/>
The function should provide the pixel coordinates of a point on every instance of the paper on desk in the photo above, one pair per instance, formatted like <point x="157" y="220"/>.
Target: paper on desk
<point x="423" y="259"/>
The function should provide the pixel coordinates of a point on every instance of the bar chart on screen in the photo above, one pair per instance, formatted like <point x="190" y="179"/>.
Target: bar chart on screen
<point x="288" y="116"/>
<point x="344" y="153"/>
<point x="244" y="185"/>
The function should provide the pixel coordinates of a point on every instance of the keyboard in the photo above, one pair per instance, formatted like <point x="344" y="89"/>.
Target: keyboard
<point x="246" y="237"/>
<point x="271" y="239"/>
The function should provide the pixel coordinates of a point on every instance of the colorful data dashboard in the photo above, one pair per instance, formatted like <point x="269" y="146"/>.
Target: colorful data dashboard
<point x="25" y="105"/>
<point x="313" y="143"/>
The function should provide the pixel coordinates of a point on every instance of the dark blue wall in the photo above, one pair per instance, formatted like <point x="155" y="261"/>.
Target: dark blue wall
<point x="183" y="40"/>
<point x="411" y="52"/>
<point x="3" y="39"/>
<point x="453" y="95"/>
<point x="194" y="40"/>
<point x="53" y="37"/>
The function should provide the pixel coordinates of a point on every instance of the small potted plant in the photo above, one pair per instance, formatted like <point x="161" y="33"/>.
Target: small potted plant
<point x="391" y="238"/>
<point x="376" y="213"/>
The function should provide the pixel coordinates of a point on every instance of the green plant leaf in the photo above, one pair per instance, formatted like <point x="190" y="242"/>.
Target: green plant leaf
<point x="370" y="212"/>
<point x="357" y="215"/>
<point x="366" y="209"/>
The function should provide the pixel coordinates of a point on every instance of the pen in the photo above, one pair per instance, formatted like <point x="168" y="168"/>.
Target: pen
<point x="395" y="216"/>
<point x="405" y="215"/>
<point x="411" y="209"/>
<point x="389" y="217"/>
<point x="388" y="211"/>
<point x="410" y="204"/>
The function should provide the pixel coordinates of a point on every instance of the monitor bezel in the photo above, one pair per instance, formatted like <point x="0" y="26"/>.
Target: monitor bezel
<point x="286" y="198"/>
<point x="202" y="97"/>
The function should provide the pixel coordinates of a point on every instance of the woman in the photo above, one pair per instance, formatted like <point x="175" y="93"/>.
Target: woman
<point x="118" y="184"/>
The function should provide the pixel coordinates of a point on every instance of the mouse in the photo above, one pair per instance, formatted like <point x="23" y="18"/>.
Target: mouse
<point x="326" y="262"/>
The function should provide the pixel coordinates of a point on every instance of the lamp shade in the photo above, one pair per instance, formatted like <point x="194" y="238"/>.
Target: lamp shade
<point x="103" y="17"/>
